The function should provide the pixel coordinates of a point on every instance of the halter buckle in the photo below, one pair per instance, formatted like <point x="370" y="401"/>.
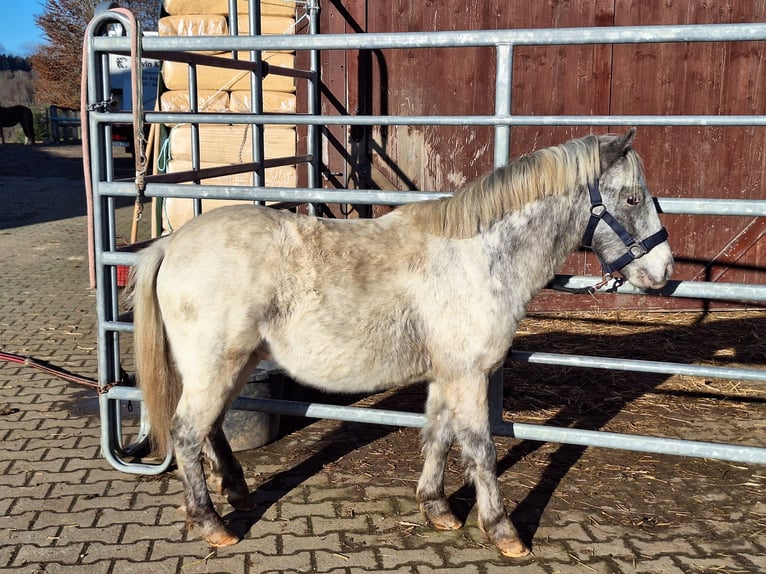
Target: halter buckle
<point x="637" y="250"/>
<point x="598" y="210"/>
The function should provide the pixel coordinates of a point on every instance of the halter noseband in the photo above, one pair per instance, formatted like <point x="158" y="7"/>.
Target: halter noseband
<point x="635" y="248"/>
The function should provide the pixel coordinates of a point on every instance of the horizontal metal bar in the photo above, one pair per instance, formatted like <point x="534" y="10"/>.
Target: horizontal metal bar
<point x="684" y="289"/>
<point x="669" y="205"/>
<point x="118" y="326"/>
<point x="639" y="366"/>
<point x="711" y="206"/>
<point x="659" y="445"/>
<point x="524" y="431"/>
<point x="335" y="412"/>
<point x="434" y="120"/>
<point x="447" y="39"/>
<point x="290" y="194"/>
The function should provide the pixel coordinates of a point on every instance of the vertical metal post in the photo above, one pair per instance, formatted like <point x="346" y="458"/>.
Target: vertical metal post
<point x="195" y="142"/>
<point x="256" y="96"/>
<point x="314" y="132"/>
<point x="503" y="77"/>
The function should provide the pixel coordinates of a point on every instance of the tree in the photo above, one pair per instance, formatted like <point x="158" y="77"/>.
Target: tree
<point x="58" y="61"/>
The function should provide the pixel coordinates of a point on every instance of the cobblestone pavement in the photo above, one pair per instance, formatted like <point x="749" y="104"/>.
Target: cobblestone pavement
<point x="332" y="497"/>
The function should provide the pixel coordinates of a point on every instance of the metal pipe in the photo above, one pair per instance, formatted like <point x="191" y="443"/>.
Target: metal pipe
<point x="677" y="206"/>
<point x="466" y="38"/>
<point x="660" y="445"/>
<point x="685" y="289"/>
<point x="314" y="105"/>
<point x="639" y="366"/>
<point x="443" y="120"/>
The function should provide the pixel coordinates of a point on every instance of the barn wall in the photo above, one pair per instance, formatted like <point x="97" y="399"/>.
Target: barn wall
<point x="663" y="79"/>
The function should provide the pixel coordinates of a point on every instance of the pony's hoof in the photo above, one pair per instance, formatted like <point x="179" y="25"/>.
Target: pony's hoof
<point x="506" y="539"/>
<point x="512" y="548"/>
<point x="222" y="538"/>
<point x="445" y="522"/>
<point x="441" y="520"/>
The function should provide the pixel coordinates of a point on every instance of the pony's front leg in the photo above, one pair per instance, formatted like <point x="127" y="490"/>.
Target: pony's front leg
<point x="471" y="424"/>
<point x="187" y="442"/>
<point x="436" y="439"/>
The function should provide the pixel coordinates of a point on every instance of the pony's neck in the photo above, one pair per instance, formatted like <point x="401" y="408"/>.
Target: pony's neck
<point x="531" y="244"/>
<point x="481" y="204"/>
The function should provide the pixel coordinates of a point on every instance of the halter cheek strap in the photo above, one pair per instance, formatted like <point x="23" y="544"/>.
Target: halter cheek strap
<point x="635" y="248"/>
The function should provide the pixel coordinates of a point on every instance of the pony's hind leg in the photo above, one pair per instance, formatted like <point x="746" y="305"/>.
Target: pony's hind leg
<point x="188" y="432"/>
<point x="436" y="438"/>
<point x="210" y="386"/>
<point x="225" y="469"/>
<point x="468" y="400"/>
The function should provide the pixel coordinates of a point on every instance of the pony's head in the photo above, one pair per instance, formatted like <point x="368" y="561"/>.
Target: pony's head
<point x="624" y="229"/>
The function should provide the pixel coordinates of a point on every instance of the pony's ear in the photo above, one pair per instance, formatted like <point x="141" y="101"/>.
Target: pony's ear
<point x="613" y="148"/>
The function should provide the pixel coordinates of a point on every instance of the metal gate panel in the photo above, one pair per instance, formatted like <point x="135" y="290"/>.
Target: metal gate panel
<point x="106" y="190"/>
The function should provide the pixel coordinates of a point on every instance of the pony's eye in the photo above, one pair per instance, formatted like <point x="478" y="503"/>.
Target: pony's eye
<point x="633" y="200"/>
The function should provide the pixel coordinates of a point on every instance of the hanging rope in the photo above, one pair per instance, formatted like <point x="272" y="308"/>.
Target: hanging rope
<point x="139" y="139"/>
<point x="59" y="372"/>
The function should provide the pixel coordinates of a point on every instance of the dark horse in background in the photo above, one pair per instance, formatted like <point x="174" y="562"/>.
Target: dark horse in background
<point x="9" y="117"/>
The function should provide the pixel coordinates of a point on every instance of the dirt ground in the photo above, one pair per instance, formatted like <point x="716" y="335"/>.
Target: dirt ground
<point x="608" y="488"/>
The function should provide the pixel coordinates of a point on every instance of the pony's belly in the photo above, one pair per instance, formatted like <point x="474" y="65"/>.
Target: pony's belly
<point x="348" y="373"/>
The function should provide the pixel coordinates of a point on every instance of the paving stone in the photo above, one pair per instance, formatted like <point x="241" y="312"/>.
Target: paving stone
<point x="525" y="565"/>
<point x="236" y="564"/>
<point x="320" y="494"/>
<point x="321" y="525"/>
<point x="135" y="532"/>
<point x="261" y="544"/>
<point x="42" y="537"/>
<point x="291" y="543"/>
<point x="192" y="549"/>
<point x="98" y="551"/>
<point x="659" y="565"/>
<point x="464" y="569"/>
<point x="105" y="535"/>
<point x="54" y="568"/>
<point x="288" y="510"/>
<point x="299" y="562"/>
<point x="356" y="560"/>
<point x="32" y="554"/>
<point x="393" y="558"/>
<point x="119" y="516"/>
<point x="167" y="566"/>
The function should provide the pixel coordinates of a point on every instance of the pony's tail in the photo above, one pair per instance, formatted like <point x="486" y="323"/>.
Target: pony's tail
<point x="155" y="370"/>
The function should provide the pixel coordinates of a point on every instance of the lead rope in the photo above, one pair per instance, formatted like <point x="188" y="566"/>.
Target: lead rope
<point x="137" y="105"/>
<point x="139" y="140"/>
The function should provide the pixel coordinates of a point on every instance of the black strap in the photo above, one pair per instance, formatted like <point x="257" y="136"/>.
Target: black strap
<point x="635" y="249"/>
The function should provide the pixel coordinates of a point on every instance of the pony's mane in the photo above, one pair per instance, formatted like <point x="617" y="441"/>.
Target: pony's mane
<point x="475" y="207"/>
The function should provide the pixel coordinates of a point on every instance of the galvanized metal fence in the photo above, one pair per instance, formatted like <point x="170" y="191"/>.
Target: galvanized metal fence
<point x="107" y="190"/>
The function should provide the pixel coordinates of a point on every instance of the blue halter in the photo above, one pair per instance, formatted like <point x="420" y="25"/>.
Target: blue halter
<point x="635" y="249"/>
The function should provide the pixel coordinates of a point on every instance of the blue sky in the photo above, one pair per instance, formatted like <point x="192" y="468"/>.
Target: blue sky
<point x="19" y="35"/>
